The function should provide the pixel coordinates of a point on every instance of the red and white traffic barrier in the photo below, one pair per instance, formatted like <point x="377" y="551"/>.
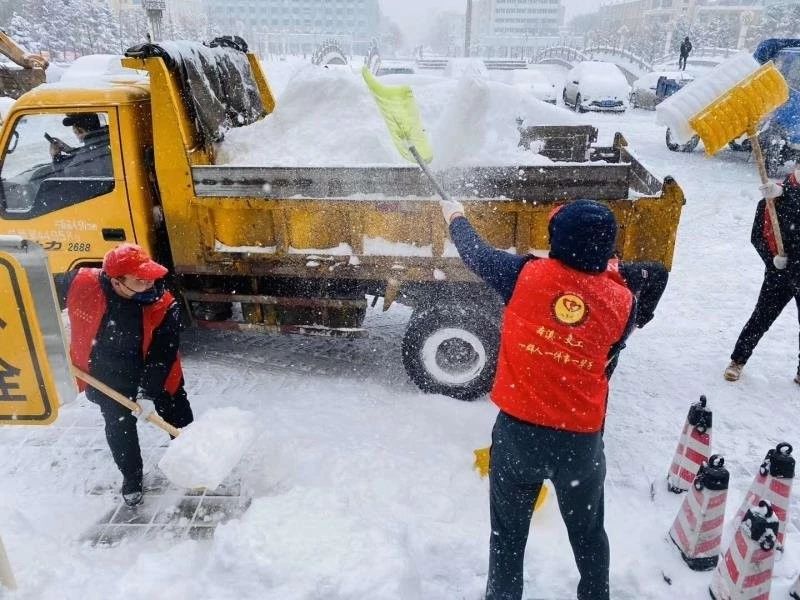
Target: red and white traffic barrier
<point x="772" y="483"/>
<point x="795" y="591"/>
<point x="697" y="530"/>
<point x="693" y="449"/>
<point x="745" y="573"/>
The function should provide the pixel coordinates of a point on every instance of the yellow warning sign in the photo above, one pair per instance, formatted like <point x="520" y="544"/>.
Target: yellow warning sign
<point x="27" y="391"/>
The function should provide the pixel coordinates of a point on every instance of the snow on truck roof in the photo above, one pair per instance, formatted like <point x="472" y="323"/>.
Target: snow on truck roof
<point x="88" y="94"/>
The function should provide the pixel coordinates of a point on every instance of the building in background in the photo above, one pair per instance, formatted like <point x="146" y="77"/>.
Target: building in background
<point x="516" y="28"/>
<point x="297" y="26"/>
<point x="656" y="24"/>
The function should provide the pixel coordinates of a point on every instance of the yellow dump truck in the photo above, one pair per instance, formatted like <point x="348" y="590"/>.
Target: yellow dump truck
<point x="292" y="250"/>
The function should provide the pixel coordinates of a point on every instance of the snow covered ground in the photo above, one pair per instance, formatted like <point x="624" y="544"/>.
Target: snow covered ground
<point x="363" y="487"/>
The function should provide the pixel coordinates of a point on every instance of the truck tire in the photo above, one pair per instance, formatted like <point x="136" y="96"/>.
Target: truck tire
<point x="676" y="147"/>
<point x="451" y="349"/>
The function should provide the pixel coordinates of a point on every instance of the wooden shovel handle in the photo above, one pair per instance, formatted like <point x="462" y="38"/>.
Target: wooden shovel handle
<point x="153" y="417"/>
<point x="762" y="171"/>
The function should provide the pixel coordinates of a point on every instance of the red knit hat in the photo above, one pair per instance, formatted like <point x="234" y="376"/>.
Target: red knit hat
<point x="130" y="259"/>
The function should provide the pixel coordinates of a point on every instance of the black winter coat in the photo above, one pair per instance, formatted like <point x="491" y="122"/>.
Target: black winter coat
<point x="787" y="207"/>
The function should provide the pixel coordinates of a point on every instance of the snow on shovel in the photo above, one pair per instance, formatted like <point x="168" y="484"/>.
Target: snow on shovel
<point x="204" y="452"/>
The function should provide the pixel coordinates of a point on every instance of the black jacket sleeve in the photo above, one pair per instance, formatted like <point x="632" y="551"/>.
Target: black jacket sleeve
<point x="497" y="268"/>
<point x="613" y="355"/>
<point x="647" y="281"/>
<point x="162" y="353"/>
<point x="757" y="235"/>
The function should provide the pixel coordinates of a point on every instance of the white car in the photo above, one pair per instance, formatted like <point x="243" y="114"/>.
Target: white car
<point x="594" y="85"/>
<point x="529" y="80"/>
<point x="644" y="90"/>
<point x="540" y="86"/>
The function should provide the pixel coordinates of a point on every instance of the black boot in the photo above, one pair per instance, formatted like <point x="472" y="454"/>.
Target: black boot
<point x="132" y="490"/>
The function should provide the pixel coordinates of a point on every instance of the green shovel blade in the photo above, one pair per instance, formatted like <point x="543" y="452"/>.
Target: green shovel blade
<point x="401" y="114"/>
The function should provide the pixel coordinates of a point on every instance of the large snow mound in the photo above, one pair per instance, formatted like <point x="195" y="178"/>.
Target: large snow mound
<point x="329" y="118"/>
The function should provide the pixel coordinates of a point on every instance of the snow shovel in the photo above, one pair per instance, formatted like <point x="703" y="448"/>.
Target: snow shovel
<point x="482" y="467"/>
<point x="204" y="452"/>
<point x="721" y="118"/>
<point x="401" y="114"/>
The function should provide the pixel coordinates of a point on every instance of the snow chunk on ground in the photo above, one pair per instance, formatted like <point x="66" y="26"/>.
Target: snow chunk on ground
<point x="207" y="450"/>
<point x="328" y="118"/>
<point x="310" y="543"/>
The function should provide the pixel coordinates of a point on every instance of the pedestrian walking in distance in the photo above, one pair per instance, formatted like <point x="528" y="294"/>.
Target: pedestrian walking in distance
<point x="686" y="49"/>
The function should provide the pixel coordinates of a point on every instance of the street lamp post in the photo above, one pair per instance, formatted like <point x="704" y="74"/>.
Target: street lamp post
<point x="468" y="28"/>
<point x="155" y="13"/>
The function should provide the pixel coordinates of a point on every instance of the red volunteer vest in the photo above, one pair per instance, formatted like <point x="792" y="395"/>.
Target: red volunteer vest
<point x="557" y="332"/>
<point x="86" y="306"/>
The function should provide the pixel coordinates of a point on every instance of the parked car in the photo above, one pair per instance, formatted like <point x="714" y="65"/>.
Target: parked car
<point x="595" y="85"/>
<point x="533" y="81"/>
<point x="645" y="90"/>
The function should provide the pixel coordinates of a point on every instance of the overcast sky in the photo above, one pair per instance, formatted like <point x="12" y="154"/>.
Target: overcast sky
<point x="413" y="15"/>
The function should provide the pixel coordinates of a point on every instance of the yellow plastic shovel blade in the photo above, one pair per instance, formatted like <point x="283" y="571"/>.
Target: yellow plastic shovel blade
<point x="740" y="109"/>
<point x="401" y="114"/>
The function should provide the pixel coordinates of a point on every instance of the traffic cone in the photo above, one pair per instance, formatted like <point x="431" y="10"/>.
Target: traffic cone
<point x="745" y="572"/>
<point x="795" y="591"/>
<point x="773" y="483"/>
<point x="697" y="530"/>
<point x="693" y="449"/>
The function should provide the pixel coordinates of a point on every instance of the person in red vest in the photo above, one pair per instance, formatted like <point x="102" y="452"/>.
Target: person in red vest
<point x="125" y="332"/>
<point x="781" y="273"/>
<point x="566" y="319"/>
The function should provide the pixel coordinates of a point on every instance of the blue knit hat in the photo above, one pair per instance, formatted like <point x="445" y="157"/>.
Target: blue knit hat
<point x="582" y="235"/>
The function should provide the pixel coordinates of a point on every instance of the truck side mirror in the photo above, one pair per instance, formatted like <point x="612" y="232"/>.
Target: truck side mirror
<point x="12" y="145"/>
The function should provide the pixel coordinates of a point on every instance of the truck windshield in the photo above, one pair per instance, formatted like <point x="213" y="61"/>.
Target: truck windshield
<point x="55" y="160"/>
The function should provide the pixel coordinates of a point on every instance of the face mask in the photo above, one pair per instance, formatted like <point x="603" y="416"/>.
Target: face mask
<point x="146" y="297"/>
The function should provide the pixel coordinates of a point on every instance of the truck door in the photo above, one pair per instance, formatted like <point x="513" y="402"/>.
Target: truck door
<point x="62" y="184"/>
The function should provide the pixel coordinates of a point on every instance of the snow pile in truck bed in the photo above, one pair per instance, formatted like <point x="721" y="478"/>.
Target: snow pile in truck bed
<point x="5" y="106"/>
<point x="328" y="118"/>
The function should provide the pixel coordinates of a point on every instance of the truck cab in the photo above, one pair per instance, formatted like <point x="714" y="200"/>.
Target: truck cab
<point x="780" y="134"/>
<point x="67" y="180"/>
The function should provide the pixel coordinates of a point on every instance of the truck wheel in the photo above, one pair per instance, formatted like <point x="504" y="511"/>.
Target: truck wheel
<point x="451" y="349"/>
<point x="676" y="147"/>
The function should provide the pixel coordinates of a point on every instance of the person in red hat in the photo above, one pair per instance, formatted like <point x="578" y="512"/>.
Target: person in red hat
<point x="125" y="332"/>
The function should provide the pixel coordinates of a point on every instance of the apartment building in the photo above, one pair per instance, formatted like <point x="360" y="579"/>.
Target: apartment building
<point x="298" y="25"/>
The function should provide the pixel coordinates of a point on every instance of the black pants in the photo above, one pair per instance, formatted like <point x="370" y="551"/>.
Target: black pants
<point x="523" y="456"/>
<point x="682" y="62"/>
<point x="121" y="433"/>
<point x="776" y="292"/>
